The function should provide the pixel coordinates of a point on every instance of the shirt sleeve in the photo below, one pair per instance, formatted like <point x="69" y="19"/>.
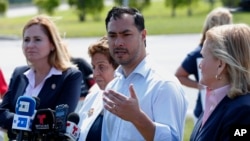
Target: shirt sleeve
<point x="3" y="84"/>
<point x="169" y="124"/>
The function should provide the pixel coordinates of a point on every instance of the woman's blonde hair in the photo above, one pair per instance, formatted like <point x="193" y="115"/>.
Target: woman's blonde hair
<point x="231" y="44"/>
<point x="59" y="57"/>
<point x="218" y="16"/>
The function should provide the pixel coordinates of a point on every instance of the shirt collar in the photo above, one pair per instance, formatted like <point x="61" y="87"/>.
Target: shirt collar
<point x="53" y="71"/>
<point x="220" y="93"/>
<point x="142" y="68"/>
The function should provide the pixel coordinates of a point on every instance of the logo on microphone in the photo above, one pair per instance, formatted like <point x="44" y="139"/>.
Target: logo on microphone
<point x="24" y="106"/>
<point x="22" y="122"/>
<point x="44" y="121"/>
<point x="41" y="119"/>
<point x="74" y="129"/>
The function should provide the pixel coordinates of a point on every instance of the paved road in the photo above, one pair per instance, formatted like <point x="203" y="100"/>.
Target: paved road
<point x="31" y="10"/>
<point x="167" y="51"/>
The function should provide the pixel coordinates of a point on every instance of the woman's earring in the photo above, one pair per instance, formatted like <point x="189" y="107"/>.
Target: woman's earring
<point x="218" y="77"/>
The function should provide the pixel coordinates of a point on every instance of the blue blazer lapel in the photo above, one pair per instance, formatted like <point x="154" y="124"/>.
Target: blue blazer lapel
<point x="196" y="131"/>
<point x="21" y="87"/>
<point x="52" y="86"/>
<point x="212" y="121"/>
<point x="217" y="113"/>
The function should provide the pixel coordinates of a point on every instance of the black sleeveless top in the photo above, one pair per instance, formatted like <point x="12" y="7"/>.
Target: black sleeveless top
<point x="95" y="131"/>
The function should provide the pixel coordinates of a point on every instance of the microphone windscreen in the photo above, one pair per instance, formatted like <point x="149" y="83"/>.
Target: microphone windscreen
<point x="44" y="121"/>
<point x="74" y="117"/>
<point x="25" y="106"/>
<point x="72" y="131"/>
<point x="37" y="99"/>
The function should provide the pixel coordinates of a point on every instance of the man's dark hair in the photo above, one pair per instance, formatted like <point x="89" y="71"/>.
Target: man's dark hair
<point x="117" y="12"/>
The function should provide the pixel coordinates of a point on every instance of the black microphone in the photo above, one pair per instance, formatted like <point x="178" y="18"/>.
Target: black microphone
<point x="61" y="113"/>
<point x="37" y="99"/>
<point x="25" y="109"/>
<point x="43" y="124"/>
<point x="72" y="130"/>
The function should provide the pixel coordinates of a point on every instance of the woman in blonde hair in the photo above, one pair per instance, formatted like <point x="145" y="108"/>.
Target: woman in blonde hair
<point x="225" y="70"/>
<point x="49" y="75"/>
<point x="218" y="16"/>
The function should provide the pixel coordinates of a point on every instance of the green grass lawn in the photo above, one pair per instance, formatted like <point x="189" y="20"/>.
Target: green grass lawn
<point x="158" y="20"/>
<point x="189" y="125"/>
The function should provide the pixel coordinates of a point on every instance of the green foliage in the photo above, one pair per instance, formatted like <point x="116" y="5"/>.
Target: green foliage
<point x="47" y="6"/>
<point x="71" y="3"/>
<point x="157" y="20"/>
<point x="138" y="4"/>
<point x="189" y="125"/>
<point x="3" y="6"/>
<point x="230" y="3"/>
<point x="92" y="7"/>
<point x="174" y="4"/>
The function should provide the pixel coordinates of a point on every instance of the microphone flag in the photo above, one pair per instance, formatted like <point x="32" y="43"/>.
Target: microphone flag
<point x="25" y="108"/>
<point x="72" y="129"/>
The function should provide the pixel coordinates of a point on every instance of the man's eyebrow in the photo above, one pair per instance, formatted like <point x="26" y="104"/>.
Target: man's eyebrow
<point x="122" y="32"/>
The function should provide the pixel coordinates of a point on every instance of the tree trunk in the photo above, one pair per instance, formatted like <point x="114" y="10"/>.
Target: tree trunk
<point x="82" y="17"/>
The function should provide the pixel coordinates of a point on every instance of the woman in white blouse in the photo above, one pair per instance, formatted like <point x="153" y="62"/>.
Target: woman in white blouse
<point x="103" y="72"/>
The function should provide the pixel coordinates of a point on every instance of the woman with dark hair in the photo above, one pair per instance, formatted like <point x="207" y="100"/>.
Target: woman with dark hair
<point x="91" y="111"/>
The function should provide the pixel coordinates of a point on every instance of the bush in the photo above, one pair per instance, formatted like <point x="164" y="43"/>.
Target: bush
<point x="3" y="6"/>
<point x="47" y="6"/>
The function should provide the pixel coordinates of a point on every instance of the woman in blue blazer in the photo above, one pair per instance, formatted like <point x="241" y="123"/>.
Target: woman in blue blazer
<point x="225" y="71"/>
<point x="50" y="75"/>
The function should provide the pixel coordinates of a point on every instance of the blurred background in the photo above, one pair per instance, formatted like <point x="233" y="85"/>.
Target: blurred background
<point x="85" y="18"/>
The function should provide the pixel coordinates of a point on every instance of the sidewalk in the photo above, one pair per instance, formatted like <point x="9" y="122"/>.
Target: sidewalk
<point x="29" y="10"/>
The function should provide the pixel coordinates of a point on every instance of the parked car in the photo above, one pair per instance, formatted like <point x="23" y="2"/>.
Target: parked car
<point x="87" y="72"/>
<point x="244" y="5"/>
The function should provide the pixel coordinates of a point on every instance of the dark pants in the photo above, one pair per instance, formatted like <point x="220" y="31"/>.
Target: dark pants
<point x="198" y="107"/>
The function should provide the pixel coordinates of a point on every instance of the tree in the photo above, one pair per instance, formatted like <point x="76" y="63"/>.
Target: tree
<point x="47" y="6"/>
<point x="189" y="4"/>
<point x="83" y="7"/>
<point x="179" y="3"/>
<point x="174" y="4"/>
<point x="94" y="7"/>
<point x="138" y="4"/>
<point x="211" y="2"/>
<point x="3" y="6"/>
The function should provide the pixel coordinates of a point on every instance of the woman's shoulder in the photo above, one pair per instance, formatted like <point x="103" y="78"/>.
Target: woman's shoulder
<point x="21" y="68"/>
<point x="72" y="71"/>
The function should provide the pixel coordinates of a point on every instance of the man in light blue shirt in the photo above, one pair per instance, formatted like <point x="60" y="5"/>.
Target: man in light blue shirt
<point x="140" y="104"/>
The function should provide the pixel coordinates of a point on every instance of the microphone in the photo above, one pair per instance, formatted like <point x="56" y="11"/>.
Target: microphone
<point x="43" y="124"/>
<point x="61" y="113"/>
<point x="37" y="99"/>
<point x="72" y="130"/>
<point x="25" y="108"/>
